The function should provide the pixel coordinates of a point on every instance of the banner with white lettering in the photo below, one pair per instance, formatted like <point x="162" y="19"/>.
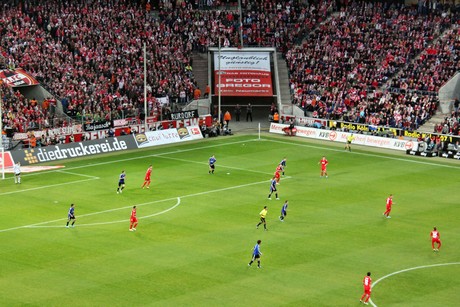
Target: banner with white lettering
<point x="102" y="125"/>
<point x="73" y="150"/>
<point x="184" y="115"/>
<point x="339" y="136"/>
<point x="243" y="73"/>
<point x="168" y="136"/>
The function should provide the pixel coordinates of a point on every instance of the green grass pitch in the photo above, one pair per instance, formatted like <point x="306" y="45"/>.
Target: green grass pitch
<point x="196" y="231"/>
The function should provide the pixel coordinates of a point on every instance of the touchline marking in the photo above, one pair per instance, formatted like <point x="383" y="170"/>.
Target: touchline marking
<point x="37" y="225"/>
<point x="368" y="154"/>
<point x="77" y="174"/>
<point x="407" y="270"/>
<point x="49" y="186"/>
<point x="146" y="156"/>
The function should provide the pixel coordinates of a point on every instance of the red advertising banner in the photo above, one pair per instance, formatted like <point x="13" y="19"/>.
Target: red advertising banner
<point x="17" y="77"/>
<point x="243" y="74"/>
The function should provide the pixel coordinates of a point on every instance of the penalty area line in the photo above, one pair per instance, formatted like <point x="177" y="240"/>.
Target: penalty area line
<point x="113" y="222"/>
<point x="407" y="270"/>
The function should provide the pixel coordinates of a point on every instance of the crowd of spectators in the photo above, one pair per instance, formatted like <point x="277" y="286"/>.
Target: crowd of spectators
<point x="434" y="66"/>
<point x="89" y="54"/>
<point x="339" y="71"/>
<point x="22" y="114"/>
<point x="281" y="24"/>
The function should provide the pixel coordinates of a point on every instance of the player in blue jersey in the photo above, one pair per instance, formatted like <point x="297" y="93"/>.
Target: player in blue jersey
<point x="273" y="189"/>
<point x="212" y="166"/>
<point x="256" y="253"/>
<point x="71" y="216"/>
<point x="121" y="182"/>
<point x="283" y="165"/>
<point x="284" y="211"/>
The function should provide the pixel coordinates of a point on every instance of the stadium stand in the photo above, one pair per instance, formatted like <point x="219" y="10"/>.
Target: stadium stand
<point x="367" y="61"/>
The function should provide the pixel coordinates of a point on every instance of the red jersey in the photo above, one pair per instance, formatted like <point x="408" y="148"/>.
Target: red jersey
<point x="277" y="175"/>
<point x="148" y="173"/>
<point x="367" y="281"/>
<point x="133" y="214"/>
<point x="435" y="235"/>
<point x="323" y="163"/>
<point x="279" y="168"/>
<point x="389" y="202"/>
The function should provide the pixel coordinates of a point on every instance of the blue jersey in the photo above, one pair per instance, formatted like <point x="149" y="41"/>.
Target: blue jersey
<point x="122" y="178"/>
<point x="71" y="212"/>
<point x="273" y="185"/>
<point x="212" y="160"/>
<point x="256" y="250"/>
<point x="283" y="163"/>
<point x="284" y="208"/>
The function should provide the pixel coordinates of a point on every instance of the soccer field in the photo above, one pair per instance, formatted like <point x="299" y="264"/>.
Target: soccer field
<point x="196" y="231"/>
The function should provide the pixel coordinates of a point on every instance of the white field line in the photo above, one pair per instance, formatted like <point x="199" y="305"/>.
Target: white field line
<point x="112" y="222"/>
<point x="48" y="186"/>
<point x="407" y="270"/>
<point x="218" y="165"/>
<point x="77" y="174"/>
<point x="37" y="225"/>
<point x="144" y="157"/>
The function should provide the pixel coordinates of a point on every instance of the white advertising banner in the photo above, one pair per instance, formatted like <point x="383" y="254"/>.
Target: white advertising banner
<point x="339" y="136"/>
<point x="168" y="136"/>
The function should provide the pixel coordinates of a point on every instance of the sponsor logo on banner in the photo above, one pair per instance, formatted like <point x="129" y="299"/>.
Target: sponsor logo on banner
<point x="169" y="136"/>
<point x="17" y="77"/>
<point x="195" y="130"/>
<point x="141" y="139"/>
<point x="183" y="133"/>
<point x="73" y="150"/>
<point x="243" y="73"/>
<point x="409" y="145"/>
<point x="333" y="135"/>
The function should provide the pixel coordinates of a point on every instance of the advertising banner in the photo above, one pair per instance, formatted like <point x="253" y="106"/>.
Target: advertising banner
<point x="339" y="136"/>
<point x="17" y="77"/>
<point x="243" y="74"/>
<point x="169" y="136"/>
<point x="73" y="150"/>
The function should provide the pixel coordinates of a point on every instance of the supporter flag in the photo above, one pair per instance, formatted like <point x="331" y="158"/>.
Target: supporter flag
<point x="17" y="77"/>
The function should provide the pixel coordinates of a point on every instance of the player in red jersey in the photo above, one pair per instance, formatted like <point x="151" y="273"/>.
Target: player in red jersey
<point x="133" y="220"/>
<point x="323" y="162"/>
<point x="277" y="176"/>
<point x="435" y="238"/>
<point x="147" y="177"/>
<point x="367" y="281"/>
<point x="389" y="204"/>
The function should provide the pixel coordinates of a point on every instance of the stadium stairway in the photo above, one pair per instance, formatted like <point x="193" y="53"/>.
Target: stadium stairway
<point x="283" y="75"/>
<point x="428" y="127"/>
<point x="200" y="70"/>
